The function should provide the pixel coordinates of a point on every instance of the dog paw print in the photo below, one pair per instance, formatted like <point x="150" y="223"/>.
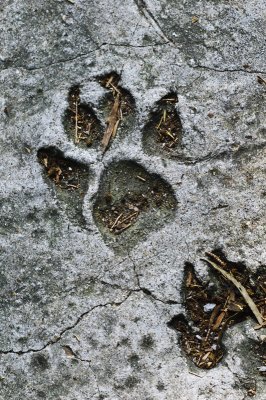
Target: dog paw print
<point x="130" y="201"/>
<point x="214" y="307"/>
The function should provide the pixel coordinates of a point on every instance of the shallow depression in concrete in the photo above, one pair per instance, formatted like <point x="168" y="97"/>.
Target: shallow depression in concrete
<point x="131" y="203"/>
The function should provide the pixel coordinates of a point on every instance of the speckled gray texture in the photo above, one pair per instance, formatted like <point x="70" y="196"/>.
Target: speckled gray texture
<point x="63" y="286"/>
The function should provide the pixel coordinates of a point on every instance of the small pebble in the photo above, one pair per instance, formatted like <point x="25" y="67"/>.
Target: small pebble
<point x="209" y="307"/>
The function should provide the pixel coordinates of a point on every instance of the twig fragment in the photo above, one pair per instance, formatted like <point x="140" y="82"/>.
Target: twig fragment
<point x="116" y="221"/>
<point x="193" y="373"/>
<point x="112" y="123"/>
<point x="261" y="80"/>
<point x="76" y="121"/>
<point x="241" y="289"/>
<point x="141" y="178"/>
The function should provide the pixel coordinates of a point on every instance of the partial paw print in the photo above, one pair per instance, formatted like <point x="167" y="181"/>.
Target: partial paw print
<point x="212" y="308"/>
<point x="130" y="201"/>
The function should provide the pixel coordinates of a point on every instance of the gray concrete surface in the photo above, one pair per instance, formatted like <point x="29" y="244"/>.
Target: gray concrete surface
<point x="83" y="317"/>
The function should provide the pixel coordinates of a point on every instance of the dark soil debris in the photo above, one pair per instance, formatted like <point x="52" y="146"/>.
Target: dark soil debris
<point x="65" y="173"/>
<point x="124" y="213"/>
<point x="119" y="215"/>
<point x="166" y="123"/>
<point x="211" y="311"/>
<point x="131" y="202"/>
<point x="129" y="191"/>
<point x="80" y="121"/>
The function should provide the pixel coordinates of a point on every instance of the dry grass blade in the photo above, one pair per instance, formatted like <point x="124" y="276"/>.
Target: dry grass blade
<point x="76" y="121"/>
<point x="219" y="321"/>
<point x="241" y="289"/>
<point x="116" y="221"/>
<point x="112" y="123"/>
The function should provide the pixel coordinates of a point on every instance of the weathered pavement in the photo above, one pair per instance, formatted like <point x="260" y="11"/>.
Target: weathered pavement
<point x="83" y="316"/>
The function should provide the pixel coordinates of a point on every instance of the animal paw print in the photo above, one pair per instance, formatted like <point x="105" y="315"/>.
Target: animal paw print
<point x="213" y="307"/>
<point x="130" y="202"/>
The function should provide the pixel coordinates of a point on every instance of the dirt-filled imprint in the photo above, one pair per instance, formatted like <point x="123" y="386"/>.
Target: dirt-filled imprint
<point x="68" y="178"/>
<point x="163" y="132"/>
<point x="132" y="202"/>
<point x="214" y="306"/>
<point x="118" y="108"/>
<point x="81" y="124"/>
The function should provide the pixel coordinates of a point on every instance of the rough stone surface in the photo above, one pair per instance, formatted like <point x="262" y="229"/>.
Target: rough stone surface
<point x="83" y="319"/>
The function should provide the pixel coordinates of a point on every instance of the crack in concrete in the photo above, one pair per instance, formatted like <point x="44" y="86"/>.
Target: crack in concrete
<point x="77" y="357"/>
<point x="142" y="289"/>
<point x="167" y="41"/>
<point x="58" y="337"/>
<point x="92" y="370"/>
<point x="221" y="153"/>
<point x="146" y="291"/>
<point x="144" y="46"/>
<point x="239" y="70"/>
<point x="115" y="286"/>
<point x="83" y="55"/>
<point x="148" y="15"/>
<point x="237" y="379"/>
<point x="84" y="281"/>
<point x="67" y="329"/>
